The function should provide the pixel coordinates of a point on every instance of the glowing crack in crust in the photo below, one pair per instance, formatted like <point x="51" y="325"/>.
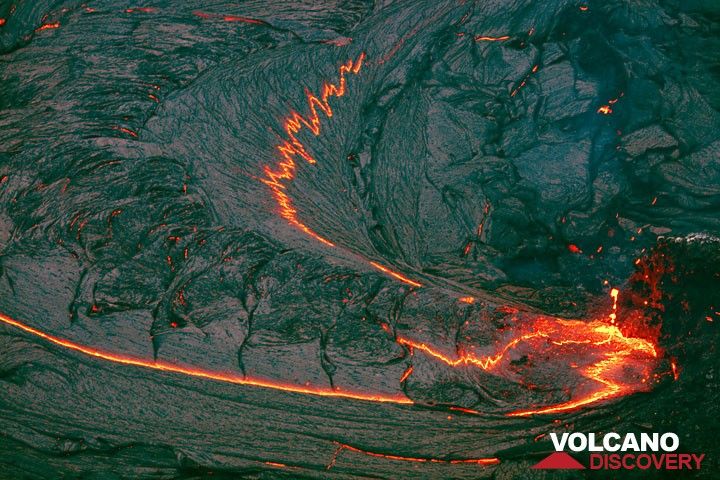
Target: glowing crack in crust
<point x="278" y="178"/>
<point x="200" y="372"/>
<point x="292" y="147"/>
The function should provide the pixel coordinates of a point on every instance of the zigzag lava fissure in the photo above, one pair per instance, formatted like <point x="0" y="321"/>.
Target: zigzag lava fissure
<point x="278" y="178"/>
<point x="292" y="147"/>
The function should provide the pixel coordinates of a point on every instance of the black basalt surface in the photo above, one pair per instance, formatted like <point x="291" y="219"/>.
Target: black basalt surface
<point x="521" y="153"/>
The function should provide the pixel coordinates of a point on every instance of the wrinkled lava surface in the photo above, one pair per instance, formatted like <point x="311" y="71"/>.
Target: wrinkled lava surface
<point x="356" y="239"/>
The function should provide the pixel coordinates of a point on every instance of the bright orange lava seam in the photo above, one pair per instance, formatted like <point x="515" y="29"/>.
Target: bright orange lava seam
<point x="395" y="275"/>
<point x="197" y="372"/>
<point x="293" y="147"/>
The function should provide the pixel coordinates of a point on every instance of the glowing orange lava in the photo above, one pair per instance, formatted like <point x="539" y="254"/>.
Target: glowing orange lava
<point x="605" y="348"/>
<point x="48" y="26"/>
<point x="601" y="348"/>
<point x="236" y="18"/>
<point x="396" y="275"/>
<point x="199" y="372"/>
<point x="614" y="351"/>
<point x="484" y="38"/>
<point x="614" y="294"/>
<point x="292" y="147"/>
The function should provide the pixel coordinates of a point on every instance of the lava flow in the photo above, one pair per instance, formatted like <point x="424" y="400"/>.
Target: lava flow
<point x="597" y="350"/>
<point x="614" y="364"/>
<point x="611" y="363"/>
<point x="200" y="372"/>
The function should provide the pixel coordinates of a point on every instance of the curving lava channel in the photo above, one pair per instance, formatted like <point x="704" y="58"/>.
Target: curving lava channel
<point x="598" y="351"/>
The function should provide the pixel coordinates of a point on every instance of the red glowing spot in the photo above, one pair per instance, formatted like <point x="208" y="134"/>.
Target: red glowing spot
<point x="48" y="26"/>
<point x="574" y="248"/>
<point x="89" y="10"/>
<point x="202" y="15"/>
<point x="583" y="8"/>
<point x="535" y="69"/>
<point x="605" y="110"/>
<point x="599" y="249"/>
<point x="202" y="373"/>
<point x="476" y="461"/>
<point x="406" y="374"/>
<point x="469" y="300"/>
<point x="126" y="130"/>
<point x="467" y="248"/>
<point x="181" y="298"/>
<point x="94" y="308"/>
<point x="2" y="22"/>
<point x="538" y="437"/>
<point x="141" y="10"/>
<point x="153" y="98"/>
<point x="484" y="38"/>
<point x="292" y="147"/>
<point x="276" y="464"/>
<point x="654" y="201"/>
<point x="338" y="42"/>
<point x="396" y="275"/>
<point x="235" y="18"/>
<point x="675" y="370"/>
<point x="174" y="324"/>
<point x="465" y="410"/>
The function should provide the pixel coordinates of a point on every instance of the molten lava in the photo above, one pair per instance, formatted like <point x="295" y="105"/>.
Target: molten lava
<point x="292" y="147"/>
<point x="598" y="351"/>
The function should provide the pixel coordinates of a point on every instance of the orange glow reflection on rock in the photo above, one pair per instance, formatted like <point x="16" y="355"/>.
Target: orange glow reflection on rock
<point x="291" y="148"/>
<point x="202" y="373"/>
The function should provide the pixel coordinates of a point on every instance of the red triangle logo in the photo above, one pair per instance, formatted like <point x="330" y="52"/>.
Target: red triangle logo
<point x="558" y="461"/>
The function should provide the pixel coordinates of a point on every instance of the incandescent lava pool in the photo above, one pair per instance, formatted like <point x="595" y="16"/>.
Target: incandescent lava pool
<point x="400" y="239"/>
